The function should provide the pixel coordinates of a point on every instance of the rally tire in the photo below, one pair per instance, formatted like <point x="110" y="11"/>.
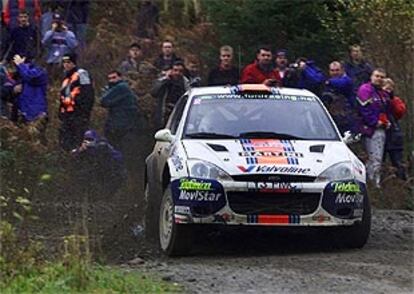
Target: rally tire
<point x="357" y="235"/>
<point x="175" y="239"/>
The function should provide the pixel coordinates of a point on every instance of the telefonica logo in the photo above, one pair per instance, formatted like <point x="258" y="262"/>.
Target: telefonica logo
<point x="346" y="187"/>
<point x="193" y="184"/>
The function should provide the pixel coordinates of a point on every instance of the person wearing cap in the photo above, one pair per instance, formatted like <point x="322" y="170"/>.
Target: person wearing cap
<point x="133" y="60"/>
<point x="58" y="41"/>
<point x="76" y="102"/>
<point x="99" y="168"/>
<point x="225" y="73"/>
<point x="261" y="71"/>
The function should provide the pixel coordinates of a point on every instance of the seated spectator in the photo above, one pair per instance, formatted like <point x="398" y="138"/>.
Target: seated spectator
<point x="357" y="68"/>
<point x="32" y="100"/>
<point x="167" y="90"/>
<point x="58" y="41"/>
<point x="99" y="168"/>
<point x="394" y="141"/>
<point x="261" y="71"/>
<point x="225" y="73"/>
<point x="12" y="8"/>
<point x="167" y="57"/>
<point x="76" y="14"/>
<point x="339" y="98"/>
<point x="147" y="20"/>
<point x="133" y="60"/>
<point x="24" y="37"/>
<point x="192" y="70"/>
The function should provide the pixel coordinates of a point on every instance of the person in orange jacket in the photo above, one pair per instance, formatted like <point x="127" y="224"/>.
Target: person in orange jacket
<point x="394" y="140"/>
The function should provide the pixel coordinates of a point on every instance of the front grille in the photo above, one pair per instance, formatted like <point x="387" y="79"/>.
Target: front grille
<point x="274" y="178"/>
<point x="273" y="203"/>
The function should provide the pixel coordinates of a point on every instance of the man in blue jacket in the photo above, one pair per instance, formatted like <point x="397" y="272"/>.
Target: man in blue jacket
<point x="339" y="98"/>
<point x="32" y="90"/>
<point x="124" y="121"/>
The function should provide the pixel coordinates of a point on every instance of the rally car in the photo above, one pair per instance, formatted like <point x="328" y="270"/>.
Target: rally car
<point x="257" y="156"/>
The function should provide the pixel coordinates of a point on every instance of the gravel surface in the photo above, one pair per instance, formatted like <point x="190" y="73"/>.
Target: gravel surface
<point x="283" y="262"/>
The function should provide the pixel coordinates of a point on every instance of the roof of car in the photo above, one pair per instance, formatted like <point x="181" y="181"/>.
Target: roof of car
<point x="247" y="87"/>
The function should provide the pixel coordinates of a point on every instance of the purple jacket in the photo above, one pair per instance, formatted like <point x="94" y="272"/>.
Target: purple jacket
<point x="371" y="103"/>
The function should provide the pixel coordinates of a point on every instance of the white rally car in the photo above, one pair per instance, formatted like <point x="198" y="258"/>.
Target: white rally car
<point x="253" y="155"/>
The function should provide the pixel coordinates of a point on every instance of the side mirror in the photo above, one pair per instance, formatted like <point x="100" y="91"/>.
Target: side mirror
<point x="350" y="138"/>
<point x="164" y="135"/>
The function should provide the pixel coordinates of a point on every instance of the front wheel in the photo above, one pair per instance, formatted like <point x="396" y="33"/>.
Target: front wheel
<point x="356" y="236"/>
<point x="175" y="239"/>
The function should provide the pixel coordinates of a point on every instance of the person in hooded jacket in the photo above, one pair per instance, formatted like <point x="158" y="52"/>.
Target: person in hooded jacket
<point x="32" y="98"/>
<point x="99" y="168"/>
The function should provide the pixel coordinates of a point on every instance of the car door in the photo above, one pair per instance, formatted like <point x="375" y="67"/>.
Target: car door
<point x="163" y="149"/>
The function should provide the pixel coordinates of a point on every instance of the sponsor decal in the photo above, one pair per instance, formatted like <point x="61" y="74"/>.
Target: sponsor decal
<point x="199" y="196"/>
<point x="182" y="209"/>
<point x="194" y="184"/>
<point x="349" y="198"/>
<point x="347" y="187"/>
<point x="177" y="162"/>
<point x="271" y="154"/>
<point x="194" y="195"/>
<point x="273" y="219"/>
<point x="274" y="95"/>
<point x="339" y="197"/>
<point x="320" y="218"/>
<point x="271" y="187"/>
<point x="273" y="169"/>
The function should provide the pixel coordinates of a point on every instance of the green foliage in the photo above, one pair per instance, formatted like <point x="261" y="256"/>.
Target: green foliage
<point x="56" y="278"/>
<point x="295" y="25"/>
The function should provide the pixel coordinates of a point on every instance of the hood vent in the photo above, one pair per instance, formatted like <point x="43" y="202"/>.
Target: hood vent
<point x="317" y="148"/>
<point x="218" y="148"/>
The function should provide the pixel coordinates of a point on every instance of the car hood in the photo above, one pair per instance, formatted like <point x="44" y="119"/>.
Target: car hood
<point x="268" y="156"/>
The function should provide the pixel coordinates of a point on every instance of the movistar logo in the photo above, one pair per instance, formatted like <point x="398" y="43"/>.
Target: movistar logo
<point x="346" y="187"/>
<point x="193" y="184"/>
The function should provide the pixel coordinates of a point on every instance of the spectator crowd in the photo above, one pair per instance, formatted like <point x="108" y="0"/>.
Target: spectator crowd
<point x="360" y="97"/>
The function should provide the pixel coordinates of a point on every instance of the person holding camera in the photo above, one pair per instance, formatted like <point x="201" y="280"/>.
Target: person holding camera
<point x="58" y="41"/>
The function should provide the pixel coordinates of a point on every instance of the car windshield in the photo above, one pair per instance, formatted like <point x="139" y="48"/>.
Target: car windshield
<point x="258" y="116"/>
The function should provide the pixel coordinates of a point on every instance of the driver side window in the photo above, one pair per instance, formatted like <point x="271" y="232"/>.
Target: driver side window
<point x="176" y="115"/>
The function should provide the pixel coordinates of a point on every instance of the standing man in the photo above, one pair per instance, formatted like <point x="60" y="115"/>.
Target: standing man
<point x="76" y="13"/>
<point x="167" y="90"/>
<point x="76" y="102"/>
<point x="225" y="73"/>
<point x="148" y="20"/>
<point x="12" y="8"/>
<point x="373" y="107"/>
<point x="339" y="98"/>
<point x="58" y="41"/>
<point x="124" y="121"/>
<point x="357" y="68"/>
<point x="167" y="57"/>
<point x="261" y="71"/>
<point x="133" y="60"/>
<point x="24" y="37"/>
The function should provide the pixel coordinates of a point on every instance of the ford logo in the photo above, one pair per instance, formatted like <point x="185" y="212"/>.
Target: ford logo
<point x="274" y="178"/>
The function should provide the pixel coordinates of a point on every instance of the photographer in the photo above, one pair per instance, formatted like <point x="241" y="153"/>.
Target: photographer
<point x="304" y="74"/>
<point x="58" y="41"/>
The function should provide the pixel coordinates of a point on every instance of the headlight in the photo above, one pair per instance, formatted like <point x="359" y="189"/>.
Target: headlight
<point x="205" y="170"/>
<point x="338" y="172"/>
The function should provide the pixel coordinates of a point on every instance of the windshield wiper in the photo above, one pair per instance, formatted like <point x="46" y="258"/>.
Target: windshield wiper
<point x="265" y="135"/>
<point x="206" y="135"/>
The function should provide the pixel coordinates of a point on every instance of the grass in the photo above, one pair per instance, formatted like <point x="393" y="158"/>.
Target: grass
<point x="55" y="278"/>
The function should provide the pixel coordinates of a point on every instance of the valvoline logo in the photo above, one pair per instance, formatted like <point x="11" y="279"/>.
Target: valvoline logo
<point x="273" y="169"/>
<point x="247" y="169"/>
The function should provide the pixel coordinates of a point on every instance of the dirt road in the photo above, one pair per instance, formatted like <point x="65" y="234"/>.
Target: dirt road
<point x="245" y="262"/>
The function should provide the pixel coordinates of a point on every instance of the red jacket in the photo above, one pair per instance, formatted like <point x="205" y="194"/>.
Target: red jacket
<point x="253" y="75"/>
<point x="398" y="107"/>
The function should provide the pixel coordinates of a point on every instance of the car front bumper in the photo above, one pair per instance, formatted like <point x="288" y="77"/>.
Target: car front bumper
<point x="202" y="201"/>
